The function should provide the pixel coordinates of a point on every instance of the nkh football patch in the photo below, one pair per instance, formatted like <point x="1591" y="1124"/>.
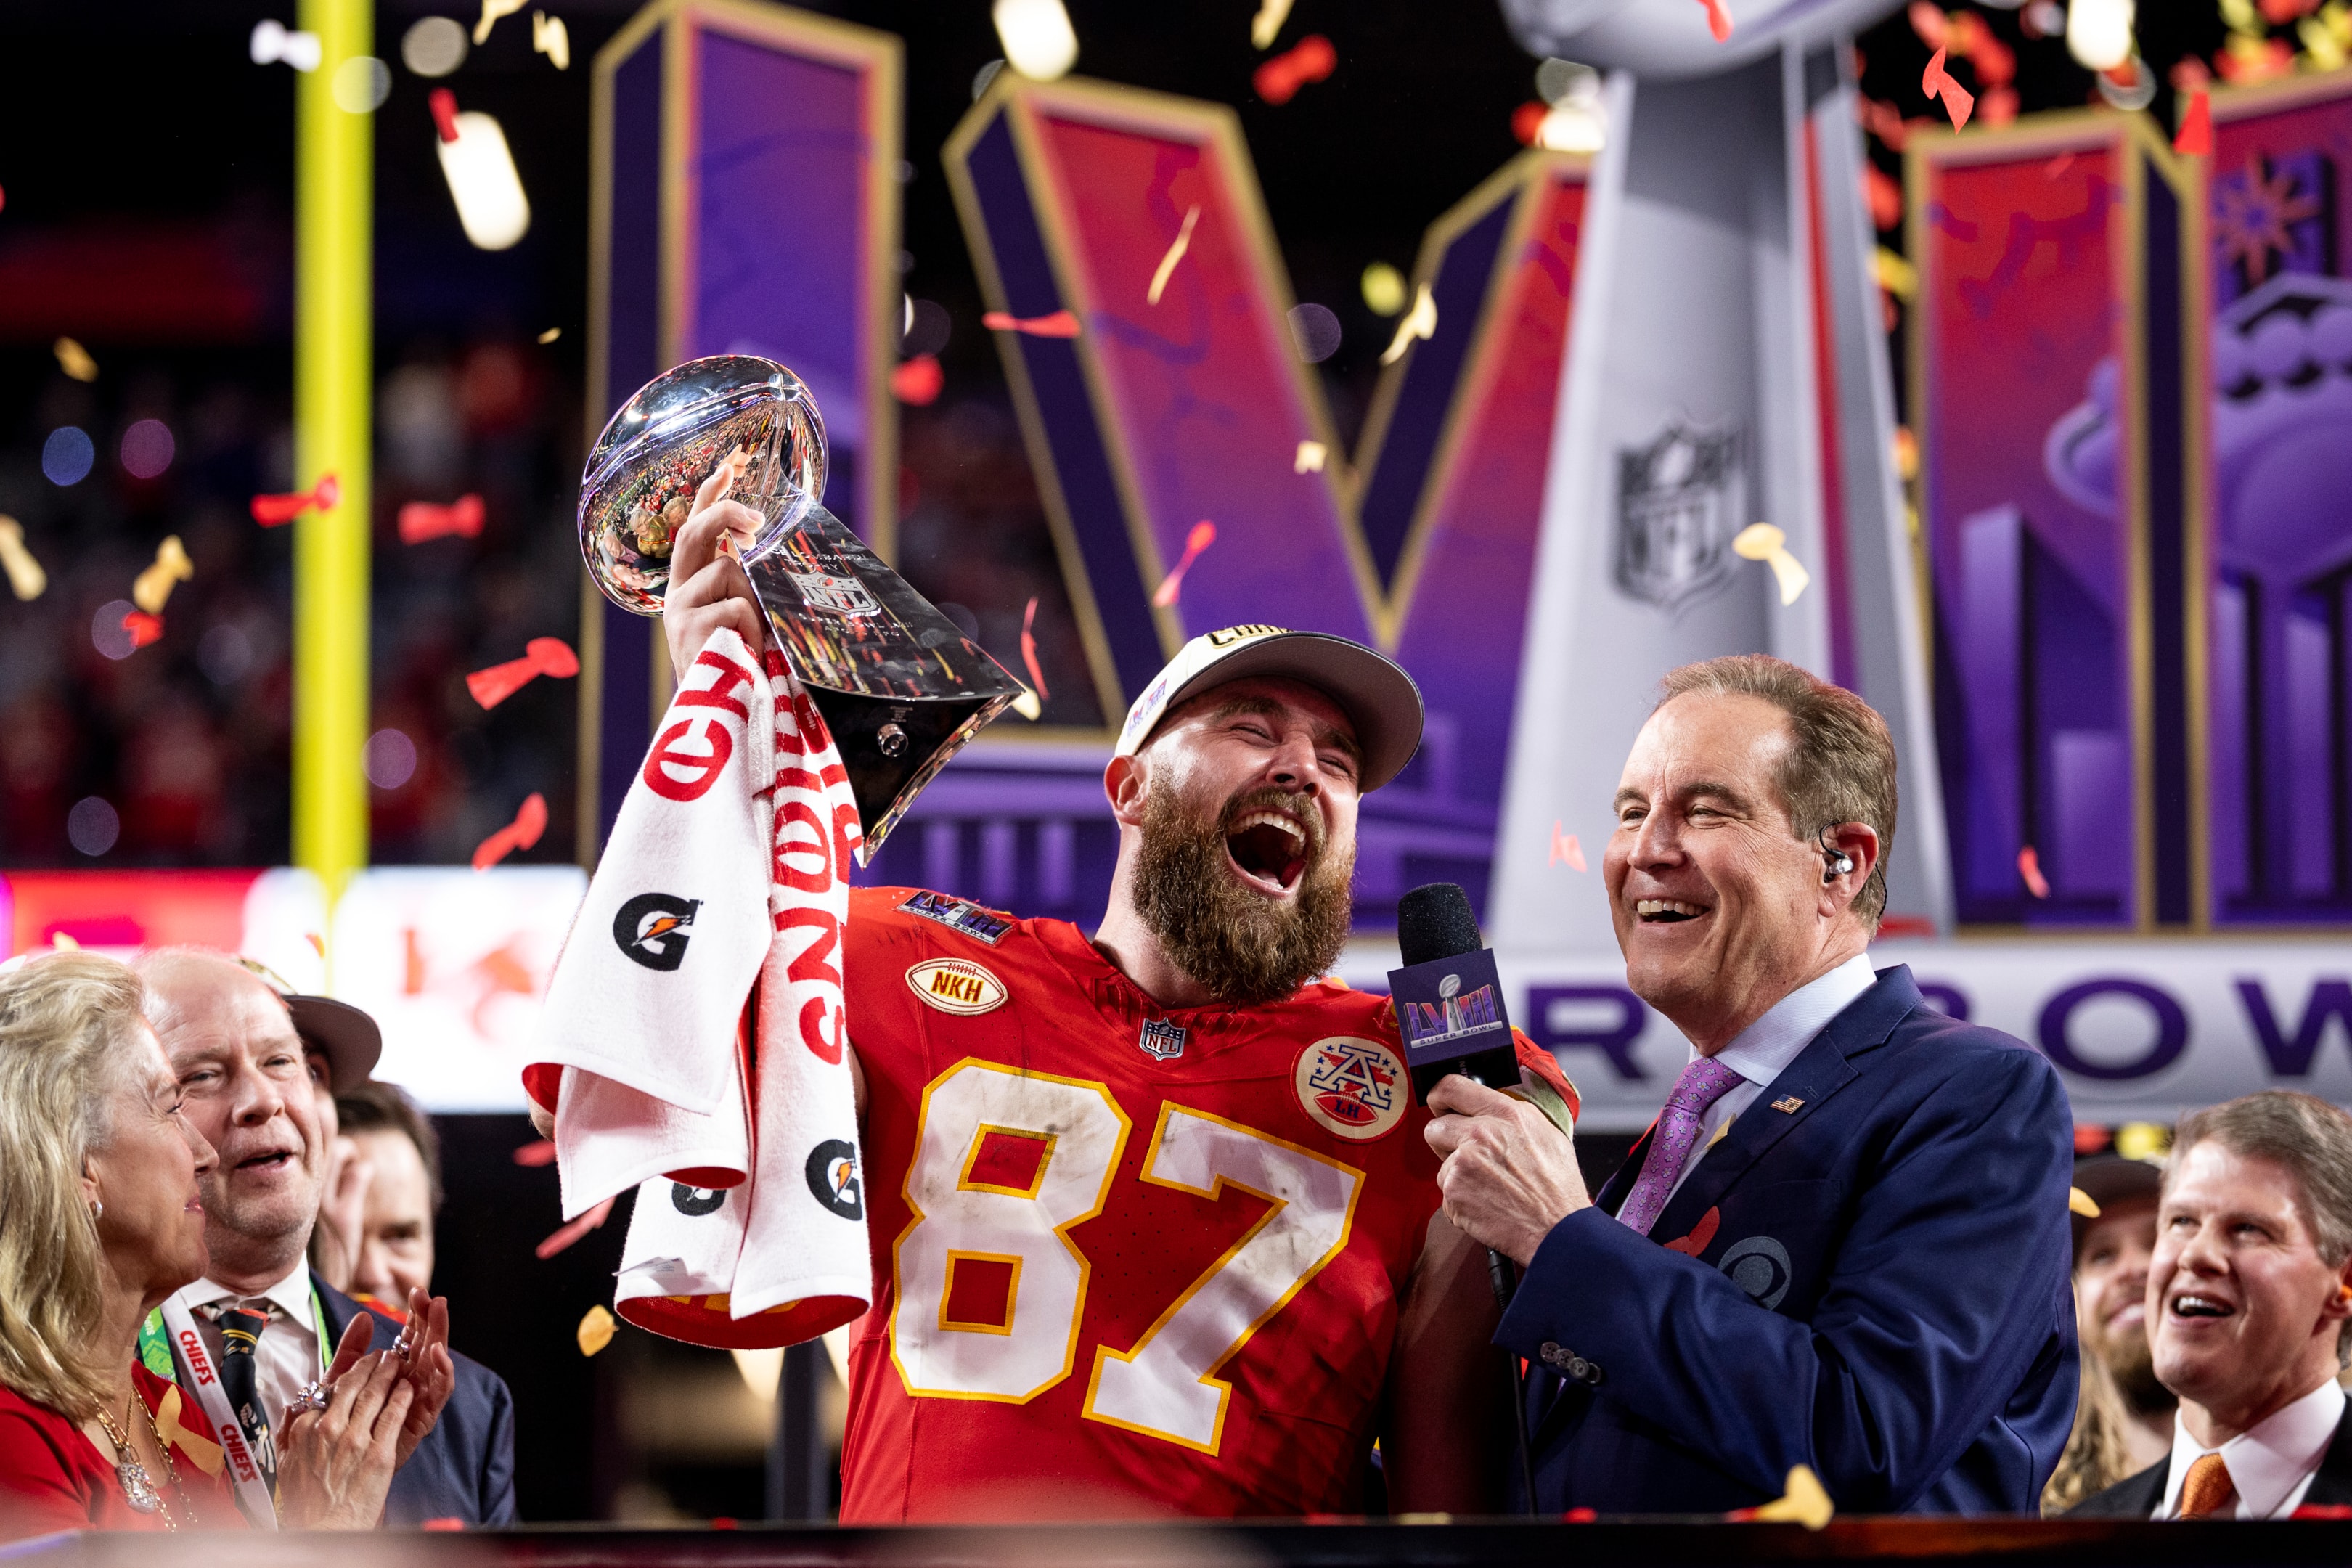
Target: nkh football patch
<point x="1353" y="1088"/>
<point x="956" y="986"/>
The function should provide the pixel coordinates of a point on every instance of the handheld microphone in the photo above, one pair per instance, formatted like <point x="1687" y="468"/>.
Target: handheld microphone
<point x="1449" y="1009"/>
<point x="1448" y="998"/>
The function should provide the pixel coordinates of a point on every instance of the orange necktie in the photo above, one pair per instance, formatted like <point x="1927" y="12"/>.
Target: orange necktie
<point x="2208" y="1489"/>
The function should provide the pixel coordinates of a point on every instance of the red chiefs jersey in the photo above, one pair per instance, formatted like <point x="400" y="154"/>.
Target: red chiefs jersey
<point x="1127" y="1259"/>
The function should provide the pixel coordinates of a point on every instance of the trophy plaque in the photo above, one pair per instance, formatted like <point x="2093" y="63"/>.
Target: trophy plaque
<point x="899" y="685"/>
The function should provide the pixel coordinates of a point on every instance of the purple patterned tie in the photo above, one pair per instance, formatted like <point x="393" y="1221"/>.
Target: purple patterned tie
<point x="1703" y="1083"/>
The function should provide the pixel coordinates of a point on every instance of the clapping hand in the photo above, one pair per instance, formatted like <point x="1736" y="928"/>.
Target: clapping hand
<point x="335" y="1463"/>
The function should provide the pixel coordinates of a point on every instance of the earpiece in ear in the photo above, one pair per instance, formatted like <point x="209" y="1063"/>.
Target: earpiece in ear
<point x="1841" y="864"/>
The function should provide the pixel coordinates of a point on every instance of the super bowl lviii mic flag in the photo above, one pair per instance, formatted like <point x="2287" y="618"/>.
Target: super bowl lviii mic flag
<point x="900" y="687"/>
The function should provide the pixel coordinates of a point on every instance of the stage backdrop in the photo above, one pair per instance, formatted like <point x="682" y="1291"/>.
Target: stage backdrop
<point x="2107" y="624"/>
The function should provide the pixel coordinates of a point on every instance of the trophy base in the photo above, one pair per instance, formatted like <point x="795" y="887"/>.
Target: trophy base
<point x="899" y="686"/>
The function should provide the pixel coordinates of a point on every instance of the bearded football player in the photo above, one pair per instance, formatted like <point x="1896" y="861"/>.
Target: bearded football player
<point x="1155" y="1230"/>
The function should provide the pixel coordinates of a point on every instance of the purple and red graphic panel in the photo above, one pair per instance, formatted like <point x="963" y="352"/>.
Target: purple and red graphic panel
<point x="2279" y="427"/>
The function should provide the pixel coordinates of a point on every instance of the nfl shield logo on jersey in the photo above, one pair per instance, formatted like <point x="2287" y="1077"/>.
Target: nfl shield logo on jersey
<point x="1162" y="1039"/>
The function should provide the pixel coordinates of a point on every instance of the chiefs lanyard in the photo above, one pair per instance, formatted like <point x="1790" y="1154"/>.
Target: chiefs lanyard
<point x="172" y="1328"/>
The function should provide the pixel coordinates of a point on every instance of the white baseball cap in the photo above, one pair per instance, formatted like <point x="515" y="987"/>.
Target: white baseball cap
<point x="1380" y="699"/>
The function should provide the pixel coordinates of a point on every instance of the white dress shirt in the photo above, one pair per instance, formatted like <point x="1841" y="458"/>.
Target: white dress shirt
<point x="2271" y="1463"/>
<point x="286" y="1356"/>
<point x="1761" y="1051"/>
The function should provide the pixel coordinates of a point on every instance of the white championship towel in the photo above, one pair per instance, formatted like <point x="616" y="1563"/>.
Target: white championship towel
<point x="727" y="866"/>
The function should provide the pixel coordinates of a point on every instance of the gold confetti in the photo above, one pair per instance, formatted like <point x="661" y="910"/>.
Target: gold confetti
<point x="24" y="574"/>
<point x="596" y="1330"/>
<point x="1310" y="457"/>
<point x="1383" y="287"/>
<point x="1028" y="707"/>
<point x="1894" y="275"/>
<point x="1804" y="1502"/>
<point x="153" y="585"/>
<point x="1267" y="25"/>
<point x="1175" y="254"/>
<point x="549" y="335"/>
<point x="1762" y="542"/>
<point x="74" y="360"/>
<point x="2079" y="1202"/>
<point x="1906" y="454"/>
<point x="1421" y="323"/>
<point x="2143" y="1140"/>
<point x="61" y="942"/>
<point x="549" y="37"/>
<point x="491" y="11"/>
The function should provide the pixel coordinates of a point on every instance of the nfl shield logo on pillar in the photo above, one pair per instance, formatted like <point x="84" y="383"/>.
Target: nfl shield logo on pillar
<point x="1678" y="503"/>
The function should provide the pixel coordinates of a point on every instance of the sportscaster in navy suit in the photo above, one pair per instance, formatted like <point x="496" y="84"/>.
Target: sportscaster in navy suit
<point x="1844" y="1243"/>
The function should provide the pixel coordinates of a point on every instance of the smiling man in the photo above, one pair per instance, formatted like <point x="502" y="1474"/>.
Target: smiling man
<point x="1843" y="1245"/>
<point x="1154" y="1229"/>
<point x="2249" y="1299"/>
<point x="263" y="1318"/>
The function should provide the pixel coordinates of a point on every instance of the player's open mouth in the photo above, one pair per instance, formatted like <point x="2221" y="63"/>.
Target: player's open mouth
<point x="2188" y="1304"/>
<point x="269" y="1162"/>
<point x="1667" y="911"/>
<point x="1269" y="850"/>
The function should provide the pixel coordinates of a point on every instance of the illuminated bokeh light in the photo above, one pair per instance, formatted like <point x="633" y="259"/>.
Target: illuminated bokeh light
<point x="67" y="455"/>
<point x="388" y="759"/>
<point x="107" y="632"/>
<point x="1315" y="329"/>
<point x="362" y="84"/>
<point x="1037" y="37"/>
<point x="92" y="827"/>
<point x="433" y="47"/>
<point x="147" y="448"/>
<point x="1383" y="285"/>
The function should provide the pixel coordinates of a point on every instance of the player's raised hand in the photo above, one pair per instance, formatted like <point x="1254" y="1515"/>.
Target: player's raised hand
<point x="1508" y="1175"/>
<point x="707" y="588"/>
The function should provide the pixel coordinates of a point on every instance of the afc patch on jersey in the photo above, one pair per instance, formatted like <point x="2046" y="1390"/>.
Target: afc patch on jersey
<point x="1353" y="1088"/>
<point x="959" y="915"/>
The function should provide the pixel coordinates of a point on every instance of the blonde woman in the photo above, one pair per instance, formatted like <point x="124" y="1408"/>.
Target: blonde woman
<point x="100" y="1221"/>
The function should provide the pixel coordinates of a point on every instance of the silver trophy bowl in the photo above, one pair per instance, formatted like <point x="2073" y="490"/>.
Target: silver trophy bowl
<point x="899" y="686"/>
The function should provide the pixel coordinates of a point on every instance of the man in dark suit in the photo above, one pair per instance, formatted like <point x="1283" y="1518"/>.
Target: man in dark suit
<point x="255" y="1064"/>
<point x="1844" y="1243"/>
<point x="2249" y="1311"/>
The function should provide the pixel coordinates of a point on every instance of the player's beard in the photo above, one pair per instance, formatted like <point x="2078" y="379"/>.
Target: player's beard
<point x="1242" y="947"/>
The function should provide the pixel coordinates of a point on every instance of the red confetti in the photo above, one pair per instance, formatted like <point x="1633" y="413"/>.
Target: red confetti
<point x="444" y="104"/>
<point x="1718" y="19"/>
<point x="1029" y="650"/>
<point x="272" y="511"/>
<point x="2058" y="165"/>
<point x="578" y="1227"/>
<point x="1204" y="535"/>
<point x="1060" y="325"/>
<point x="1312" y="58"/>
<point x="722" y="1521"/>
<point x="536" y="1154"/>
<point x="1927" y="20"/>
<point x="420" y="519"/>
<point x="1935" y="83"/>
<point x="1906" y="925"/>
<point x="2029" y="865"/>
<point x="1580" y="1515"/>
<point x="521" y="834"/>
<point x="918" y="381"/>
<point x="2323" y="1510"/>
<point x="550" y="656"/>
<point x="447" y="1522"/>
<point x="1566" y="848"/>
<point x="1526" y="122"/>
<point x="1702" y="1233"/>
<point x="2090" y="1140"/>
<point x="2195" y="138"/>
<point x="143" y="627"/>
<point x="1931" y="82"/>
<point x="318" y="943"/>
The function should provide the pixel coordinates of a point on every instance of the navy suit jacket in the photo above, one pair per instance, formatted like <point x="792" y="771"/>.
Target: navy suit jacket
<point x="464" y="1469"/>
<point x="1874" y="1282"/>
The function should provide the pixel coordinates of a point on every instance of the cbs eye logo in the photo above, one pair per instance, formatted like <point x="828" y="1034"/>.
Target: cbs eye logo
<point x="650" y="929"/>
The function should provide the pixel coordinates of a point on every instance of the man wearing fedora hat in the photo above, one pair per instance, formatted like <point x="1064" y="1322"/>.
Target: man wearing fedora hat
<point x="252" y="1059"/>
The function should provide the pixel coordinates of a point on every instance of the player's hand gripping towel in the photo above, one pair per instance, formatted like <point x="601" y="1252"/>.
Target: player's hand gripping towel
<point x="728" y="864"/>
